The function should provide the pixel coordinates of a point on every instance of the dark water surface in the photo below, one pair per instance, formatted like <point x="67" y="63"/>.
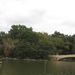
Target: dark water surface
<point x="22" y="67"/>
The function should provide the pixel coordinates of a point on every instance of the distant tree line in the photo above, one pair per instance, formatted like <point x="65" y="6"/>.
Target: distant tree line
<point x="23" y="42"/>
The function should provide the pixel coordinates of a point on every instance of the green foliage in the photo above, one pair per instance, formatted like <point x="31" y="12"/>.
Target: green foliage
<point x="34" y="45"/>
<point x="1" y="49"/>
<point x="18" y="31"/>
<point x="9" y="45"/>
<point x="21" y="32"/>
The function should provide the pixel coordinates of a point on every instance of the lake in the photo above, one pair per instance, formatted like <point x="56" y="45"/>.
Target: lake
<point x="23" y="67"/>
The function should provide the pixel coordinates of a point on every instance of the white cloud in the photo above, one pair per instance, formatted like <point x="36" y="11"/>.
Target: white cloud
<point x="41" y="15"/>
<point x="69" y="22"/>
<point x="33" y="17"/>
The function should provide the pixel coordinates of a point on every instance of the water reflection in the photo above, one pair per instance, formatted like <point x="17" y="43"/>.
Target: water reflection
<point x="0" y="65"/>
<point x="10" y="67"/>
<point x="23" y="67"/>
<point x="60" y="68"/>
<point x="45" y="68"/>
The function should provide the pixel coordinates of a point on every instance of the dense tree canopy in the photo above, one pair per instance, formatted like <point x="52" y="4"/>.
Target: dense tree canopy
<point x="23" y="42"/>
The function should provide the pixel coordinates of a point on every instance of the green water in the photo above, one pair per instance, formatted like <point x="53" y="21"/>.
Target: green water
<point x="22" y="67"/>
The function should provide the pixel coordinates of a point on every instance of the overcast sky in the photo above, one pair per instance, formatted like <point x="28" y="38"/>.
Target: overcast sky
<point x="42" y="15"/>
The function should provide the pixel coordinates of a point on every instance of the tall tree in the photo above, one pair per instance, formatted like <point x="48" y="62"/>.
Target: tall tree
<point x="21" y="32"/>
<point x="16" y="31"/>
<point x="9" y="45"/>
<point x="59" y="43"/>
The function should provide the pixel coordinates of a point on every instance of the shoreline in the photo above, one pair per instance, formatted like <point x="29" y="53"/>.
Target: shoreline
<point x="8" y="58"/>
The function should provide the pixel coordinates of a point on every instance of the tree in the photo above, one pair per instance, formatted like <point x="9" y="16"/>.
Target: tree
<point x="67" y="48"/>
<point x="59" y="43"/>
<point x="21" y="32"/>
<point x="9" y="45"/>
<point x="1" y="49"/>
<point x="17" y="31"/>
<point x="60" y="35"/>
<point x="2" y="35"/>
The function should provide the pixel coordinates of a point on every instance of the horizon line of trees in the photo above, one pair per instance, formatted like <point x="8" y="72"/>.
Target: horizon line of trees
<point x="23" y="42"/>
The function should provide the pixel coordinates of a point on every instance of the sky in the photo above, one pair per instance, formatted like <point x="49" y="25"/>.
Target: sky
<point x="42" y="15"/>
